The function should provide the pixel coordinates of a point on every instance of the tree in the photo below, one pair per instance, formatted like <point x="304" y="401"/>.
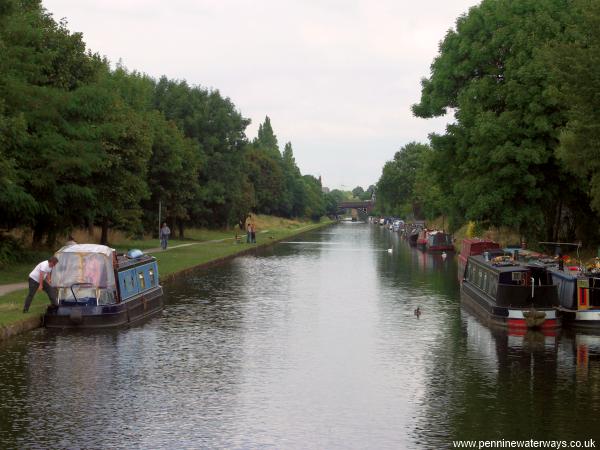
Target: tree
<point x="218" y="129"/>
<point x="315" y="200"/>
<point x="358" y="192"/>
<point x="396" y="186"/>
<point x="42" y="65"/>
<point x="267" y="140"/>
<point x="294" y="196"/>
<point x="575" y="67"/>
<point x="172" y="173"/>
<point x="498" y="160"/>
<point x="266" y="176"/>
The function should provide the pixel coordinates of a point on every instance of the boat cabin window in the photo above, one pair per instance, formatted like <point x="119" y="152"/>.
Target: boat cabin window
<point x="142" y="280"/>
<point x="107" y="297"/>
<point x="79" y="293"/>
<point x="88" y="295"/>
<point x="130" y="283"/>
<point x="517" y="276"/>
<point x="152" y="277"/>
<point x="493" y="286"/>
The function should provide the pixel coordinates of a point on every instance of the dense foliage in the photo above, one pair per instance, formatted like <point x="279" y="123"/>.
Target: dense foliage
<point x="82" y="144"/>
<point x="521" y="78"/>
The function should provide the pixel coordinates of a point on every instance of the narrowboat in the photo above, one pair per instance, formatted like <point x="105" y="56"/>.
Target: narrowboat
<point x="413" y="236"/>
<point x="397" y="225"/>
<point x="511" y="294"/>
<point x="579" y="296"/>
<point x="472" y="247"/>
<point x="439" y="241"/>
<point x="98" y="288"/>
<point x="422" y="238"/>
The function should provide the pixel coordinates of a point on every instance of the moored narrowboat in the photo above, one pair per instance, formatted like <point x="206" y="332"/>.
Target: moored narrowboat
<point x="98" y="288"/>
<point x="439" y="241"/>
<point x="509" y="293"/>
<point x="579" y="296"/>
<point x="472" y="247"/>
<point x="422" y="238"/>
<point x="413" y="235"/>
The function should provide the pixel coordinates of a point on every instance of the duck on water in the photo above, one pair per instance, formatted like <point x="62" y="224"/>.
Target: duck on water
<point x="98" y="288"/>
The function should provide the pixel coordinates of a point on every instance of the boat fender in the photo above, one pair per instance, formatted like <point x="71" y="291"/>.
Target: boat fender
<point x="76" y="315"/>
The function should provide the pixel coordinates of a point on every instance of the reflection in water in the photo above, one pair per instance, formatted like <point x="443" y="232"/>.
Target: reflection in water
<point x="311" y="343"/>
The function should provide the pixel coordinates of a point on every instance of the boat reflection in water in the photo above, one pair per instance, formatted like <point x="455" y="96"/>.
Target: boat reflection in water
<point x="496" y="346"/>
<point x="582" y="349"/>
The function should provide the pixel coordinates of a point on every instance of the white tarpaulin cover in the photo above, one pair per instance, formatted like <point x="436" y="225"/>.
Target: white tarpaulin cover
<point x="84" y="263"/>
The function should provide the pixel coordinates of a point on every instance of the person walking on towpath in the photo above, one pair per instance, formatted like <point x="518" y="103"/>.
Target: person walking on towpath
<point x="40" y="279"/>
<point x="253" y="233"/>
<point x="165" y="232"/>
<point x="248" y="233"/>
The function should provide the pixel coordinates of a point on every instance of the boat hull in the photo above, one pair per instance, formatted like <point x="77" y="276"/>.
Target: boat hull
<point x="440" y="248"/>
<point x="504" y="316"/>
<point x="106" y="316"/>
<point x="589" y="319"/>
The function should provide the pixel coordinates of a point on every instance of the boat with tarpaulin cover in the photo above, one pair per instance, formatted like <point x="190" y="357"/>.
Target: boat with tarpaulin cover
<point x="98" y="288"/>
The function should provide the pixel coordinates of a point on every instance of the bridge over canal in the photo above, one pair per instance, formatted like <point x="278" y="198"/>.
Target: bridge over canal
<point x="357" y="207"/>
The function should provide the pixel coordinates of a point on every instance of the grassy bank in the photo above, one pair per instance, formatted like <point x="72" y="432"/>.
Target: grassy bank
<point x="199" y="247"/>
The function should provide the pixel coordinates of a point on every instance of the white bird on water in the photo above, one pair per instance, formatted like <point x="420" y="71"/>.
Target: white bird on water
<point x="390" y="250"/>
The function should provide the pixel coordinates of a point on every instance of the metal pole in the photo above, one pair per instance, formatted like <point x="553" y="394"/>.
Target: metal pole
<point x="159" y="208"/>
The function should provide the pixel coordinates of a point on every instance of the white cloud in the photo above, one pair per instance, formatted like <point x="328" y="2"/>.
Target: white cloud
<point x="337" y="77"/>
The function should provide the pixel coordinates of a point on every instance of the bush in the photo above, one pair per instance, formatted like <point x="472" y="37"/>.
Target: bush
<point x="11" y="250"/>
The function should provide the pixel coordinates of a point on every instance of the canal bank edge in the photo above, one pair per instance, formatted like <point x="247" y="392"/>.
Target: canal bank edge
<point x="36" y="321"/>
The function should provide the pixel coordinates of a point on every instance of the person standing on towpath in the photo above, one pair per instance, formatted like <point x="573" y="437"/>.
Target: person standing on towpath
<point x="165" y="232"/>
<point x="40" y="279"/>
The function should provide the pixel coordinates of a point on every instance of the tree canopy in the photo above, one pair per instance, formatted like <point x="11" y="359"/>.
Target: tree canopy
<point x="83" y="144"/>
<point x="503" y="161"/>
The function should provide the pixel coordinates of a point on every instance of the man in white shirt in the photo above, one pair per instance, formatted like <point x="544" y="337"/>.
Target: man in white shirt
<point x="40" y="279"/>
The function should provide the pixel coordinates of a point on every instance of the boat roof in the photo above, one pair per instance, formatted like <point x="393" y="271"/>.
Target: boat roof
<point x="434" y="232"/>
<point x="87" y="248"/>
<point x="511" y="267"/>
<point x="477" y="240"/>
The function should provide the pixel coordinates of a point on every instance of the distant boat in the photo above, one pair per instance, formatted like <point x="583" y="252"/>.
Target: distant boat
<point x="412" y="237"/>
<point x="438" y="241"/>
<point x="97" y="288"/>
<point x="422" y="238"/>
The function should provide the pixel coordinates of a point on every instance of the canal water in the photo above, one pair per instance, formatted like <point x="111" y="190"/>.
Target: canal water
<point x="312" y="343"/>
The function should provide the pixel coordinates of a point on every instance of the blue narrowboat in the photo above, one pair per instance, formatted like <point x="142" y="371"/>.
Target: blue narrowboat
<point x="98" y="288"/>
<point x="579" y="295"/>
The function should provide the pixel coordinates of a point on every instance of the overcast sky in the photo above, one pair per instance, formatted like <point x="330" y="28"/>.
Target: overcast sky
<point x="336" y="77"/>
